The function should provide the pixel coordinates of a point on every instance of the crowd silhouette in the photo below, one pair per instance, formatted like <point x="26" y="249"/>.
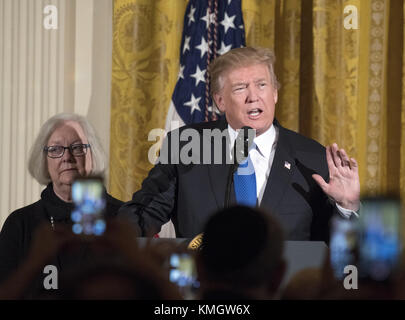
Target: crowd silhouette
<point x="240" y="258"/>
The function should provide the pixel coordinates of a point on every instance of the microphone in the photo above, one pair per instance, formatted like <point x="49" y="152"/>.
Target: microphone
<point x="240" y="152"/>
<point x="243" y="142"/>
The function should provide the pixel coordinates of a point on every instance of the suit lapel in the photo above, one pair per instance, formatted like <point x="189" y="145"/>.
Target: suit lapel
<point x="218" y="173"/>
<point x="280" y="174"/>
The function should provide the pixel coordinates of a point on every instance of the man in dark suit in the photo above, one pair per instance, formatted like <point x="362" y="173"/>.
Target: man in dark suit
<point x="294" y="178"/>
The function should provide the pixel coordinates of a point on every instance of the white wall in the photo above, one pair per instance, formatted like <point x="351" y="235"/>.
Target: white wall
<point x="44" y="72"/>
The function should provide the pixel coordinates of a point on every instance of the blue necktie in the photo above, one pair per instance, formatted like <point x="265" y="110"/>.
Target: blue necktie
<point x="244" y="181"/>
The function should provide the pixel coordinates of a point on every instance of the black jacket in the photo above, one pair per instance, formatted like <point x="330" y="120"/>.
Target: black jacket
<point x="19" y="228"/>
<point x="190" y="193"/>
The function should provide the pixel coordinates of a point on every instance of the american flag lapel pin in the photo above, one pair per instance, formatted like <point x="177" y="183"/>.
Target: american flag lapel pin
<point x="287" y="165"/>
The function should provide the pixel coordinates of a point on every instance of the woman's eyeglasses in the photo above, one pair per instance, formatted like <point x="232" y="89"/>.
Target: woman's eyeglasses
<point x="76" y="150"/>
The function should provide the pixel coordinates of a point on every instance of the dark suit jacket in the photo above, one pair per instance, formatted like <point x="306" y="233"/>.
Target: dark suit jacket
<point x="190" y="193"/>
<point x="19" y="229"/>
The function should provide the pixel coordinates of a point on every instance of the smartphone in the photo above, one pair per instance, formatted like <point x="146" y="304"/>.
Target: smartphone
<point x="343" y="245"/>
<point x="89" y="204"/>
<point x="379" y="238"/>
<point x="183" y="273"/>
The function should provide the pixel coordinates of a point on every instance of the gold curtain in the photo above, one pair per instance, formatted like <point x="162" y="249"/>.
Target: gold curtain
<point x="337" y="84"/>
<point x="146" y="44"/>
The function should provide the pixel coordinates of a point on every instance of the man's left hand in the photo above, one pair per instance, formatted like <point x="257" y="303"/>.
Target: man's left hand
<point x="344" y="182"/>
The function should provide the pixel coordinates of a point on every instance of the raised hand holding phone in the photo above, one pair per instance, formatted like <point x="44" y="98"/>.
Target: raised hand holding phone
<point x="88" y="214"/>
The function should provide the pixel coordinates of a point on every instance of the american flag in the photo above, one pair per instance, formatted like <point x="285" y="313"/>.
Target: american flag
<point x="211" y="28"/>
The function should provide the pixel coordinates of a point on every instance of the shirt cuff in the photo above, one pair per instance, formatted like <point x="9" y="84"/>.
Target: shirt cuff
<point x="347" y="213"/>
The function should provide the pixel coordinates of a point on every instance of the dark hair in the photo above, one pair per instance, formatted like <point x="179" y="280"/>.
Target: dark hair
<point x="241" y="245"/>
<point x="111" y="280"/>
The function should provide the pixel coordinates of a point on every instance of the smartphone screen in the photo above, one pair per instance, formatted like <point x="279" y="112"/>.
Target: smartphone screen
<point x="183" y="273"/>
<point x="89" y="207"/>
<point x="380" y="241"/>
<point x="343" y="245"/>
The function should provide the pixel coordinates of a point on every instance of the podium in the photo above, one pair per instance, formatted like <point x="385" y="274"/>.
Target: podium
<point x="298" y="254"/>
<point x="301" y="255"/>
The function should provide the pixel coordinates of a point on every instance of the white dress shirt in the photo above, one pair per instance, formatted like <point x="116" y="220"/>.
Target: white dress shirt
<point x="262" y="158"/>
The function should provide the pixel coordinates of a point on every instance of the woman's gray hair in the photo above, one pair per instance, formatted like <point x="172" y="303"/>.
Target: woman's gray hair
<point x="37" y="161"/>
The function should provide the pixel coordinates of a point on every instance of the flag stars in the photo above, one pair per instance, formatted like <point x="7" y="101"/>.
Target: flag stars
<point x="208" y="18"/>
<point x="210" y="108"/>
<point x="228" y="22"/>
<point x="224" y="48"/>
<point x="186" y="44"/>
<point x="181" y="73"/>
<point x="193" y="104"/>
<point x="191" y="15"/>
<point x="203" y="46"/>
<point x="192" y="77"/>
<point x="198" y="76"/>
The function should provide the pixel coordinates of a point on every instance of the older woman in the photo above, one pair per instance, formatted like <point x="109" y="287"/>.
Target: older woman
<point x="66" y="148"/>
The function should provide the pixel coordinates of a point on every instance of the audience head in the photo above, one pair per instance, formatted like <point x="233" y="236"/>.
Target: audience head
<point x="112" y="280"/>
<point x="304" y="285"/>
<point x="242" y="252"/>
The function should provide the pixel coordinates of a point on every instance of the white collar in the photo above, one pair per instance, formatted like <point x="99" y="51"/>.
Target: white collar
<point x="264" y="142"/>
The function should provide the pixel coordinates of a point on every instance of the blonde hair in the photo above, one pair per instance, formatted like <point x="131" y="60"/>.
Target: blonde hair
<point x="37" y="161"/>
<point x="241" y="57"/>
